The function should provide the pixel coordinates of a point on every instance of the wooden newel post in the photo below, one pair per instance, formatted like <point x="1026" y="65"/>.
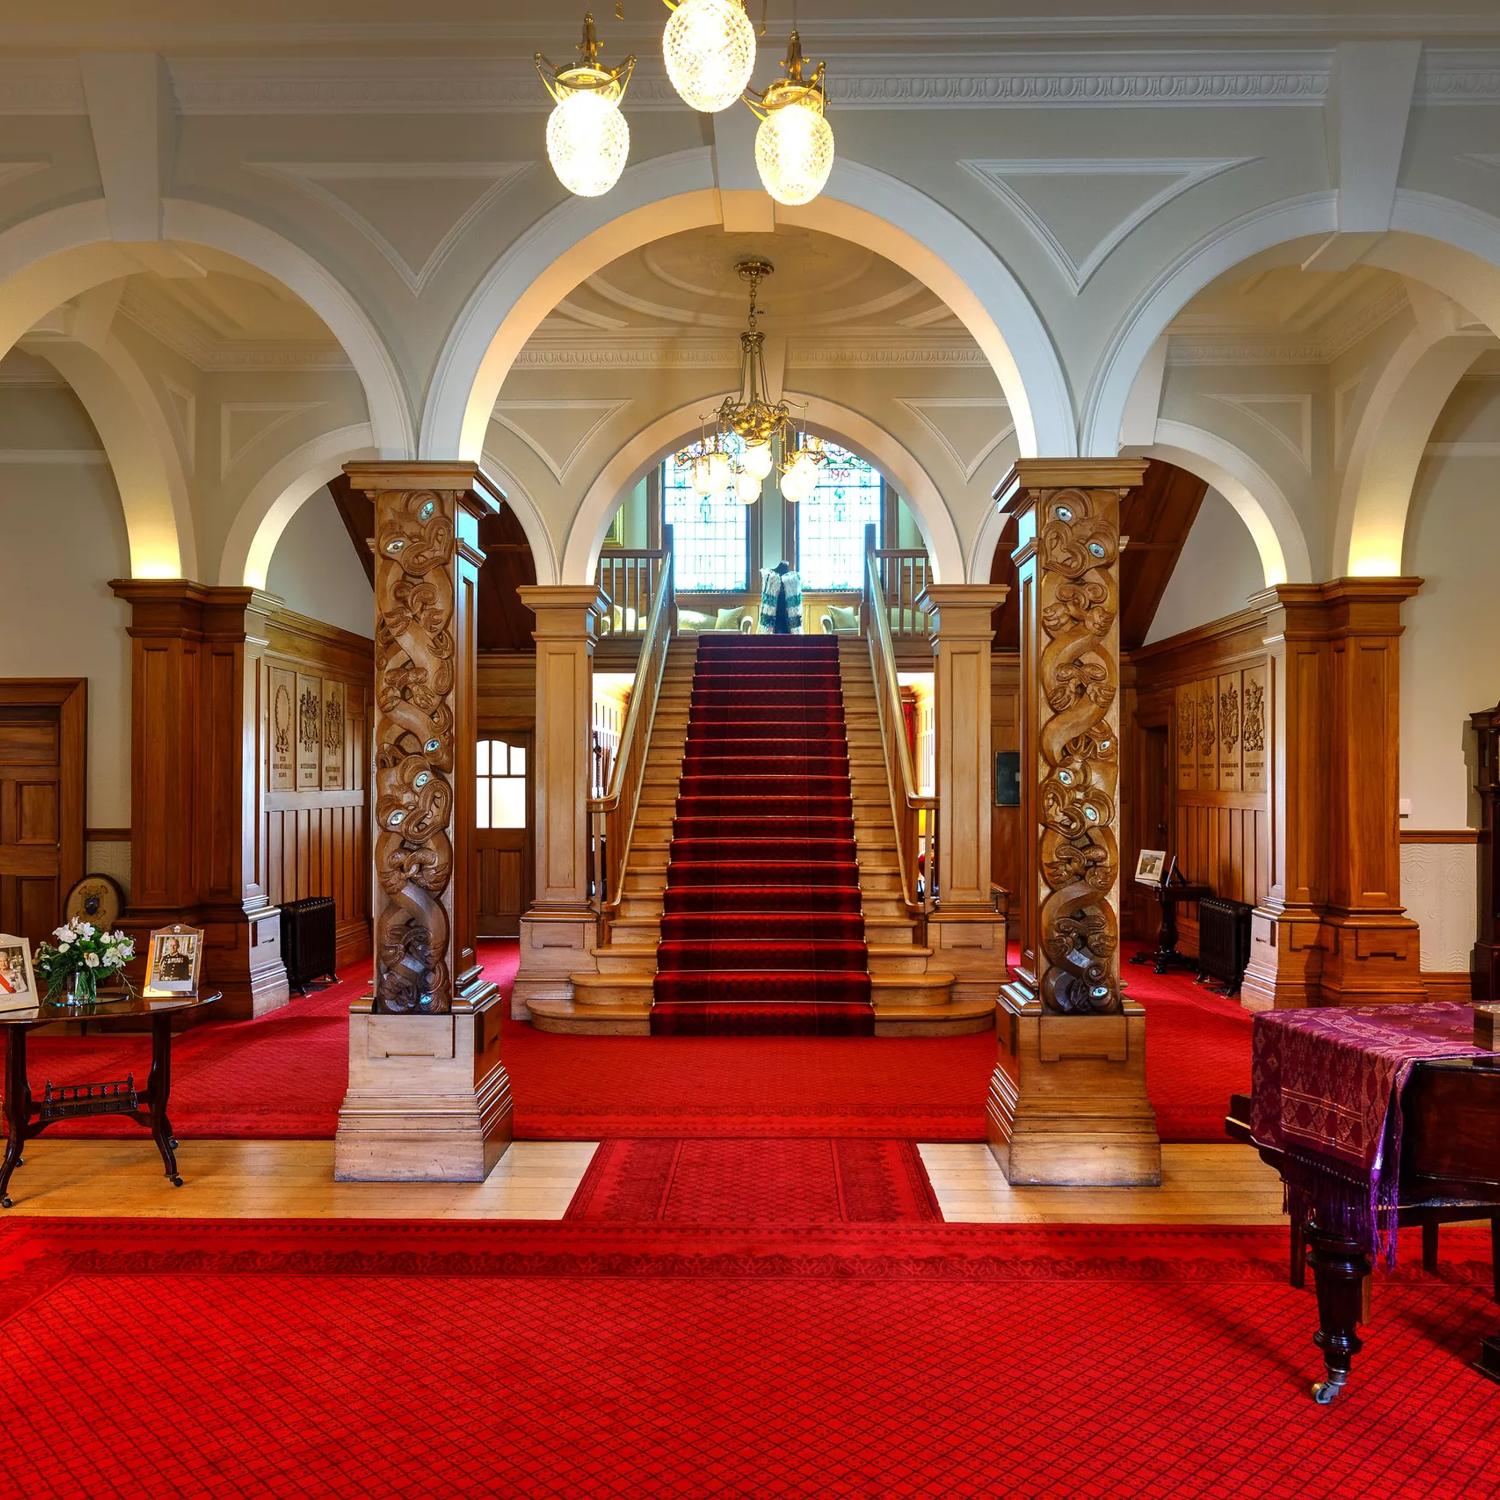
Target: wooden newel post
<point x="965" y="930"/>
<point x="428" y="1096"/>
<point x="560" y="932"/>
<point x="1068" y="1100"/>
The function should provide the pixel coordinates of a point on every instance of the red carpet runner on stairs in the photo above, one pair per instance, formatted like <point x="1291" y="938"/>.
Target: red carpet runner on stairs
<point x="762" y="929"/>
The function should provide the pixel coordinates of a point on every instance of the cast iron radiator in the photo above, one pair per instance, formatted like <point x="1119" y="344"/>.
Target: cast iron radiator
<point x="308" y="941"/>
<point x="1223" y="941"/>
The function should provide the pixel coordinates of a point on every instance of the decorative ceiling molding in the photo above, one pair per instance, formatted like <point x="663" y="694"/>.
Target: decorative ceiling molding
<point x="548" y="445"/>
<point x="674" y="352"/>
<point x="53" y="456"/>
<point x="950" y="352"/>
<point x="1343" y="403"/>
<point x="992" y="429"/>
<point x="262" y="417"/>
<point x="1466" y="449"/>
<point x="182" y="412"/>
<point x="320" y="180"/>
<point x="177" y="332"/>
<point x="1078" y="261"/>
<point x="1294" y="435"/>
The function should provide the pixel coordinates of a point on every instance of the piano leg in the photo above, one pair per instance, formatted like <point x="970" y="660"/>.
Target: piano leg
<point x="1340" y="1268"/>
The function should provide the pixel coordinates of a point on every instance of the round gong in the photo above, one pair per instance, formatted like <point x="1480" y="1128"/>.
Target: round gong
<point x="96" y="899"/>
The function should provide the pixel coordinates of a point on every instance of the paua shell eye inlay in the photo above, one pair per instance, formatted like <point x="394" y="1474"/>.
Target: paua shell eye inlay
<point x="1063" y="513"/>
<point x="1066" y="777"/>
<point x="422" y="779"/>
<point x="428" y="507"/>
<point x="1091" y="814"/>
<point x="397" y="818"/>
<point x="432" y="747"/>
<point x="396" y="544"/>
<point x="1096" y="549"/>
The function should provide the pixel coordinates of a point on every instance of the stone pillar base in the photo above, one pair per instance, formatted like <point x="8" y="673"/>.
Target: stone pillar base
<point x="970" y="945"/>
<point x="1370" y="960"/>
<point x="1068" y="1105"/>
<point x="554" y="946"/>
<point x="429" y="1098"/>
<point x="1286" y="960"/>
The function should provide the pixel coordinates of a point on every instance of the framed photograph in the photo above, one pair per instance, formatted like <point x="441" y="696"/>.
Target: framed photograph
<point x="1007" y="778"/>
<point x="1150" y="867"/>
<point x="17" y="981"/>
<point x="173" y="961"/>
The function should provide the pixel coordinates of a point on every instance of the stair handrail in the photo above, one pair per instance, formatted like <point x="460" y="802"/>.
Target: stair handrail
<point x="612" y="817"/>
<point x="915" y="812"/>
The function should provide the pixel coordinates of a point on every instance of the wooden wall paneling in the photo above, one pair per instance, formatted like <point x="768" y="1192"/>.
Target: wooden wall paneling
<point x="309" y="732"/>
<point x="1185" y="729"/>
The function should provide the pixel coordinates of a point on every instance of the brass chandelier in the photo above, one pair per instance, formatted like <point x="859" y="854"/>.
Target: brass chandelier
<point x="752" y="433"/>
<point x="709" y="50"/>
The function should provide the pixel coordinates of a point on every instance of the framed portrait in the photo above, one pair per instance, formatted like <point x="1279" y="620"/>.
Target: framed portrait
<point x="1007" y="778"/>
<point x="17" y="981"/>
<point x="173" y="961"/>
<point x="1151" y="866"/>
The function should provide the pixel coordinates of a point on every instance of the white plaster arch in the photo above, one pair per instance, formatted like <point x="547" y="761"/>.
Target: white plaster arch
<point x="1253" y="495"/>
<point x="654" y="442"/>
<point x="543" y="554"/>
<point x="675" y="193"/>
<point x="1387" y="447"/>
<point x="143" y="456"/>
<point x="280" y="493"/>
<point x="46" y="260"/>
<point x="1447" y="245"/>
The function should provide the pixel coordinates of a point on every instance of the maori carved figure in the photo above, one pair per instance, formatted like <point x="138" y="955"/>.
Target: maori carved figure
<point x="1079" y="675"/>
<point x="1255" y="716"/>
<point x="415" y="749"/>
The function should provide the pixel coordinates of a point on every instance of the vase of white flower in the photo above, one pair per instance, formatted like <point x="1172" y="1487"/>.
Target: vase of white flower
<point x="81" y="960"/>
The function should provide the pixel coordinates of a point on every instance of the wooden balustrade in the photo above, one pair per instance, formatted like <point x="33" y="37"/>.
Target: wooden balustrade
<point x="915" y="813"/>
<point x="903" y="576"/>
<point x="630" y="576"/>
<point x="612" y="816"/>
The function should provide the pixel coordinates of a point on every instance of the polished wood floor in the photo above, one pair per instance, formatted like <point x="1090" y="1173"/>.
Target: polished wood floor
<point x="536" y="1179"/>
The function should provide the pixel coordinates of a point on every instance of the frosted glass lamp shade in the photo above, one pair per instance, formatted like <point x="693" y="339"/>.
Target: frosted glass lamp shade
<point x="718" y="472"/>
<point x="709" y="47"/>
<point x="746" y="487"/>
<point x="797" y="483"/>
<point x="587" y="142"/>
<point x="794" y="153"/>
<point x="758" y="459"/>
<point x="703" y="478"/>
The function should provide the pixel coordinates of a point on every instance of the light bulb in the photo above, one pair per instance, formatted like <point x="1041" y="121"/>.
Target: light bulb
<point x="757" y="459"/>
<point x="794" y="152"/>
<point x="718" y="471"/>
<point x="703" y="476"/>
<point x="710" y="52"/>
<point x="746" y="487"/>
<point x="588" y="141"/>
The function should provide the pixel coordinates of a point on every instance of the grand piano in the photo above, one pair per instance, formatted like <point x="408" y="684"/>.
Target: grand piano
<point x="1449" y="1171"/>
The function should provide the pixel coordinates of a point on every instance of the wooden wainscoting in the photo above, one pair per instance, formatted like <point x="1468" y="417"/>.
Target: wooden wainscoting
<point x="1208" y="689"/>
<point x="316" y="683"/>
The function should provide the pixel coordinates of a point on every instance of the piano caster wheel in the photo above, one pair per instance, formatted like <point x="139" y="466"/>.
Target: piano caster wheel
<point x="175" y="1144"/>
<point x="176" y="1181"/>
<point x="1324" y="1391"/>
<point x="7" y="1203"/>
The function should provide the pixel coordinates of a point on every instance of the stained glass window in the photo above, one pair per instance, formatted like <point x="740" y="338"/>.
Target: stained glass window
<point x="831" y="521"/>
<point x="710" y="549"/>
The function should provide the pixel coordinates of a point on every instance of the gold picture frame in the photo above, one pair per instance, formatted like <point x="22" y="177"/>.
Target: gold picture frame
<point x="18" y="989"/>
<point x="1151" y="866"/>
<point x="174" y="960"/>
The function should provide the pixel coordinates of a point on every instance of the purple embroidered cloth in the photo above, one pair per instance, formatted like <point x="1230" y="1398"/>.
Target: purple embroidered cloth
<point x="1326" y="1091"/>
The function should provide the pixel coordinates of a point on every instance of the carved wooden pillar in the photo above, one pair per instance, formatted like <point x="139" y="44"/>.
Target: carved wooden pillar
<point x="428" y="1096"/>
<point x="1068" y="1099"/>
<point x="1332" y="930"/>
<point x="560" y="932"/>
<point x="966" y="932"/>
<point x="195" y="782"/>
<point x="1484" y="966"/>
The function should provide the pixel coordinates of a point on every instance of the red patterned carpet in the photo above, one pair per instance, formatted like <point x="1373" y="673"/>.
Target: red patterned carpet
<point x="579" y="1360"/>
<point x="284" y="1076"/>
<point x="761" y="931"/>
<point x="756" y="1182"/>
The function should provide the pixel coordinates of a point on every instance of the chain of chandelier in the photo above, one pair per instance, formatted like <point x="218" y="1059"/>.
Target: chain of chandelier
<point x="753" y="434"/>
<point x="709" y="49"/>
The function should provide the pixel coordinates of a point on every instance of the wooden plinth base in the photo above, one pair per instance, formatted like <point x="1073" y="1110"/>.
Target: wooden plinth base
<point x="554" y="946"/>
<point x="1068" y="1105"/>
<point x="429" y="1097"/>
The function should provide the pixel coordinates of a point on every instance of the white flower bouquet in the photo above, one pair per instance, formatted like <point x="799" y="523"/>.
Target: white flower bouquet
<point x="81" y="959"/>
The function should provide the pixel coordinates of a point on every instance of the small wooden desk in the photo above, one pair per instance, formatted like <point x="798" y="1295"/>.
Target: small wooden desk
<point x="26" y="1117"/>
<point x="1168" y="898"/>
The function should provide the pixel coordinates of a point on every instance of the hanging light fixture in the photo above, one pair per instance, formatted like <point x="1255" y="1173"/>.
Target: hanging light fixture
<point x="588" y="139"/>
<point x="750" y="413"/>
<point x="758" y="459"/>
<point x="709" y="46"/>
<point x="746" y="487"/>
<point x="794" y="145"/>
<point x="802" y="457"/>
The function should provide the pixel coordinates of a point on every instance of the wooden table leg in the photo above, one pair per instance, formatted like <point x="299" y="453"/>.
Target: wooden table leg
<point x="158" y="1091"/>
<point x="1340" y="1270"/>
<point x="17" y="1107"/>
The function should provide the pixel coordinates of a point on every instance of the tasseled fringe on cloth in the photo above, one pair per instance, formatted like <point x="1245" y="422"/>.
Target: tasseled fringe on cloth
<point x="1350" y="1204"/>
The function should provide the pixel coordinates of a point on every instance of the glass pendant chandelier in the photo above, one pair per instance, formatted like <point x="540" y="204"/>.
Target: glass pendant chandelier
<point x="709" y="46"/>
<point x="588" y="139"/>
<point x="794" y="145"/>
<point x="801" y="459"/>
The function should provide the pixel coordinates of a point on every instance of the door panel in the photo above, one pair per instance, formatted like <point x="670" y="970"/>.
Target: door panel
<point x="37" y="831"/>
<point x="503" y="852"/>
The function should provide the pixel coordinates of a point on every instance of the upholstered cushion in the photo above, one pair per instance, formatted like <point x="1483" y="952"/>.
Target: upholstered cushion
<point x="837" y="617"/>
<point x="690" y="621"/>
<point x="729" y="619"/>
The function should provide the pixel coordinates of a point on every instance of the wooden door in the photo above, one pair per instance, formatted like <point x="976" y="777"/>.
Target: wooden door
<point x="41" y="801"/>
<point x="1151" y="828"/>
<point x="504" y="857"/>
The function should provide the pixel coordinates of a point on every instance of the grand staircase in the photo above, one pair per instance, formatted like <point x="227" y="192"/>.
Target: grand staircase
<point x="763" y="890"/>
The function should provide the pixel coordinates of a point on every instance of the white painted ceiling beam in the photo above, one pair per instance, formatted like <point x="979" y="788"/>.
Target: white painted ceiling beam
<point x="1365" y="118"/>
<point x="129" y="101"/>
